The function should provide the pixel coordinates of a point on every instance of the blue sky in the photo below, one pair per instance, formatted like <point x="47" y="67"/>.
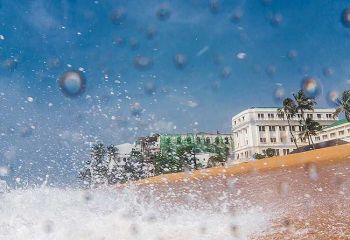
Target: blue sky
<point x="40" y="40"/>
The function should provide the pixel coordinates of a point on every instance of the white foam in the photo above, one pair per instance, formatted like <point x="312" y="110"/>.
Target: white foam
<point x="64" y="214"/>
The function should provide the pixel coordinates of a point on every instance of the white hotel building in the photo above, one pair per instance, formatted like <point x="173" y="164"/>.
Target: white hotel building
<point x="257" y="129"/>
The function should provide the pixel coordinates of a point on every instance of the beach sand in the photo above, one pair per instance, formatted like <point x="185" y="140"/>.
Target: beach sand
<point x="305" y="195"/>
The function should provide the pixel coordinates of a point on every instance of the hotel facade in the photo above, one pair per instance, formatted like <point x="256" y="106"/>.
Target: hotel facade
<point x="257" y="129"/>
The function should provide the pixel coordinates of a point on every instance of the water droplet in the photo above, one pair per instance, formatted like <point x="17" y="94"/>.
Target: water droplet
<point x="4" y="171"/>
<point x="345" y="17"/>
<point x="332" y="97"/>
<point x="214" y="6"/>
<point x="226" y="72"/>
<point x="134" y="43"/>
<point x="150" y="88"/>
<point x="241" y="55"/>
<point x="151" y="32"/>
<point x="278" y="94"/>
<point x="311" y="87"/>
<point x="180" y="60"/>
<point x="327" y="71"/>
<point x="48" y="226"/>
<point x="271" y="70"/>
<point x="72" y="83"/>
<point x="136" y="109"/>
<point x="143" y="63"/>
<point x="163" y="12"/>
<point x="276" y="20"/>
<point x="292" y="54"/>
<point x="118" y="16"/>
<point x="10" y="64"/>
<point x="236" y="15"/>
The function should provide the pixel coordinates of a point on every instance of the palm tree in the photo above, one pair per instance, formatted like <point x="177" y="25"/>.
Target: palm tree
<point x="311" y="128"/>
<point x="288" y="110"/>
<point x="343" y="105"/>
<point x="304" y="103"/>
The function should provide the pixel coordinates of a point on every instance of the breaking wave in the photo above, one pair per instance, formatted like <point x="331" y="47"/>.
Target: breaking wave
<point x="106" y="214"/>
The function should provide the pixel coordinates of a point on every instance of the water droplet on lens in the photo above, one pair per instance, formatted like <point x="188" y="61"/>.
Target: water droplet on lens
<point x="143" y="63"/>
<point x="10" y="64"/>
<point x="180" y="60"/>
<point x="292" y="54"/>
<point x="4" y="171"/>
<point x="118" y="16"/>
<point x="345" y="17"/>
<point x="327" y="71"/>
<point x="151" y="32"/>
<point x="279" y="94"/>
<point x="236" y="15"/>
<point x="150" y="88"/>
<point x="241" y="55"/>
<point x="136" y="109"/>
<point x="226" y="72"/>
<point x="134" y="43"/>
<point x="72" y="83"/>
<point x="311" y="87"/>
<point x="48" y="226"/>
<point x="332" y="97"/>
<point x="163" y="12"/>
<point x="276" y="20"/>
<point x="214" y="6"/>
<point x="271" y="70"/>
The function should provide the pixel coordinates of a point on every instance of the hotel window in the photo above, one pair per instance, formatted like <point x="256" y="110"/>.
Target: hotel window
<point x="272" y="128"/>
<point x="282" y="128"/>
<point x="285" y="151"/>
<point x="299" y="115"/>
<point x="341" y="133"/>
<point x="280" y="115"/>
<point x="319" y="116"/>
<point x="263" y="140"/>
<point x="277" y="152"/>
<point x="317" y="138"/>
<point x="324" y="137"/>
<point x="328" y="115"/>
<point x="292" y="128"/>
<point x="270" y="115"/>
<point x="226" y="140"/>
<point x="260" y="115"/>
<point x="273" y="140"/>
<point x="207" y="140"/>
<point x="243" y="118"/>
<point x="332" y="135"/>
<point x="309" y="115"/>
<point x="261" y="128"/>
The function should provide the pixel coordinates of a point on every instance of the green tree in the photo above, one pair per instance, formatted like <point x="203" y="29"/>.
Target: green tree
<point x="259" y="156"/>
<point x="95" y="171"/>
<point x="270" y="152"/>
<point x="288" y="111"/>
<point x="343" y="105"/>
<point x="311" y="128"/>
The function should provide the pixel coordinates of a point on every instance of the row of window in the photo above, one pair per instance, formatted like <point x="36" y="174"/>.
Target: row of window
<point x="332" y="135"/>
<point x="281" y="128"/>
<point x="245" y="154"/>
<point x="308" y="115"/>
<point x="207" y="140"/>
